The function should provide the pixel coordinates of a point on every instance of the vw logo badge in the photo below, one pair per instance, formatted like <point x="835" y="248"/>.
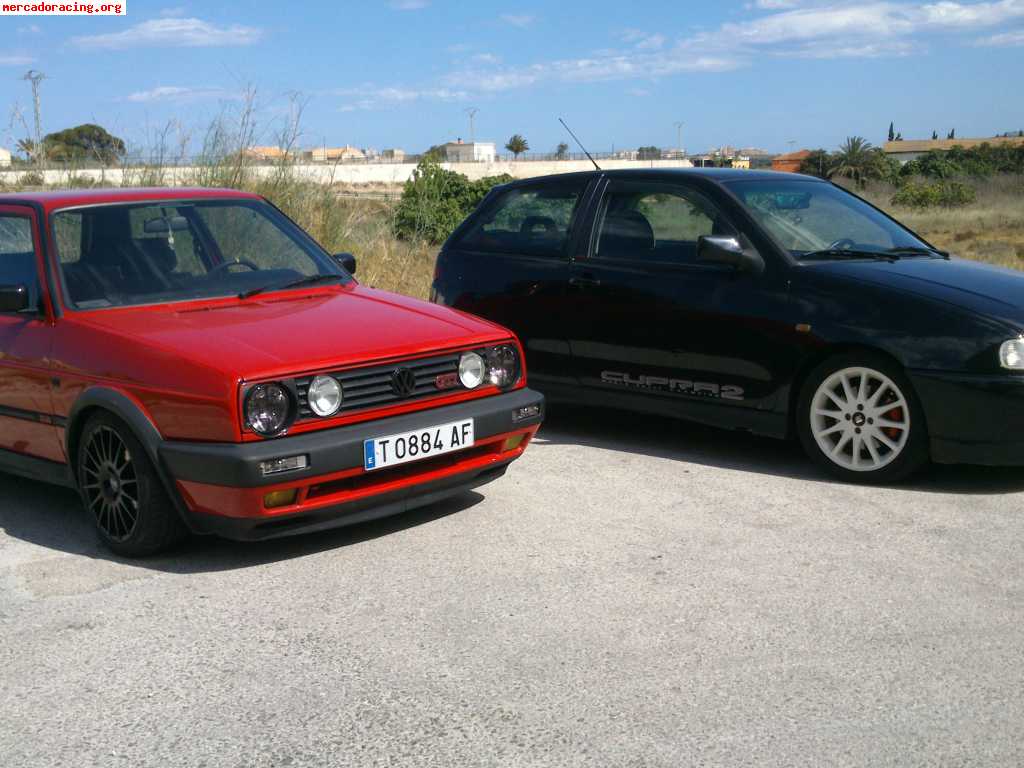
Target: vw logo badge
<point x="403" y="382"/>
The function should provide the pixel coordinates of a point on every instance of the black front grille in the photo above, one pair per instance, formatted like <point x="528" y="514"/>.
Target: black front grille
<point x="372" y="387"/>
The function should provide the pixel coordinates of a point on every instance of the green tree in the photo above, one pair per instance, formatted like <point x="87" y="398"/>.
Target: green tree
<point x="562" y="151"/>
<point x="435" y="201"/>
<point x="648" y="153"/>
<point x="517" y="145"/>
<point x="892" y="132"/>
<point x="818" y="163"/>
<point x="857" y="160"/>
<point x="84" y="142"/>
<point x="935" y="135"/>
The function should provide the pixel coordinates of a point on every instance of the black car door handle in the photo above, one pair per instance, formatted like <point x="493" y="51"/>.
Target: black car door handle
<point x="584" y="282"/>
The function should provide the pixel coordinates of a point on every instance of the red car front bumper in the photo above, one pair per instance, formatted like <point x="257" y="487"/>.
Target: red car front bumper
<point x="223" y="491"/>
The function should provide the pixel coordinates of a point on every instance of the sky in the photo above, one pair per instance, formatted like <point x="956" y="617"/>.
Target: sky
<point x="776" y="74"/>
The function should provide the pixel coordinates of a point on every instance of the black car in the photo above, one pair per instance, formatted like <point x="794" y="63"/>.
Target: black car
<point x="758" y="301"/>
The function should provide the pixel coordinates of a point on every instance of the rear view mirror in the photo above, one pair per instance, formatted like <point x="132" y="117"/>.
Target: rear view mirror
<point x="347" y="262"/>
<point x="161" y="225"/>
<point x="729" y="251"/>
<point x="13" y="298"/>
<point x="793" y="201"/>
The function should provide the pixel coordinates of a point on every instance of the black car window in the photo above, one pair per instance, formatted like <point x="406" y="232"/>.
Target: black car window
<point x="534" y="221"/>
<point x="656" y="222"/>
<point x="17" y="255"/>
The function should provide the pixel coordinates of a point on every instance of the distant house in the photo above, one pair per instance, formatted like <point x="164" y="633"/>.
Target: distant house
<point x="790" y="163"/>
<point x="264" y="153"/>
<point x="473" y="152"/>
<point x="393" y="155"/>
<point x="741" y="162"/>
<point x="5" y="158"/>
<point x="905" y="151"/>
<point x="337" y="154"/>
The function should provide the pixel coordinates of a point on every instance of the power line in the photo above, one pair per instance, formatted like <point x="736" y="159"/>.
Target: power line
<point x="35" y="78"/>
<point x="472" y="112"/>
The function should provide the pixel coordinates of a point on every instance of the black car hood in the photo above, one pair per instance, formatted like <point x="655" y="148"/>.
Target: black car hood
<point x="978" y="287"/>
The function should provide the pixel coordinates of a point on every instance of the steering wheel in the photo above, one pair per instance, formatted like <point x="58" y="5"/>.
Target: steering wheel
<point x="843" y="244"/>
<point x="530" y="224"/>
<point x="229" y="264"/>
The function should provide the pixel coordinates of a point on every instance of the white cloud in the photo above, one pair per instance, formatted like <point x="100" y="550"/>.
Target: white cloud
<point x="409" y="5"/>
<point x="1003" y="40"/>
<point x="486" y="58"/>
<point x="518" y="20"/>
<point x="370" y="97"/>
<point x="13" y="60"/>
<point x="31" y="29"/>
<point x="179" y="94"/>
<point x="180" y="33"/>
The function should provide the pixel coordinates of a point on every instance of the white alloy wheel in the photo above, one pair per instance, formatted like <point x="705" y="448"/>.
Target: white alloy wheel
<point x="860" y="419"/>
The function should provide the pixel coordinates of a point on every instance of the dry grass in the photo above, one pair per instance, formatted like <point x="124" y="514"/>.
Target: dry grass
<point x="990" y="230"/>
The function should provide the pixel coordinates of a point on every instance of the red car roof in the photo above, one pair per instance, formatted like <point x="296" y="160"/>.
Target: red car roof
<point x="68" y="197"/>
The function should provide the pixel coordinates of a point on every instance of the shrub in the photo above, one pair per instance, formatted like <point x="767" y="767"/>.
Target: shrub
<point x="435" y="201"/>
<point x="31" y="179"/>
<point x="945" y="194"/>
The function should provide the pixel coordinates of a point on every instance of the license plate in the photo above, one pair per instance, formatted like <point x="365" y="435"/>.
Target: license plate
<point x="391" y="450"/>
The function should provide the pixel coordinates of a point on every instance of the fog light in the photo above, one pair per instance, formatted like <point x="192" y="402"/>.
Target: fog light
<point x="511" y="443"/>
<point x="280" y="498"/>
<point x="277" y="466"/>
<point x="526" y="412"/>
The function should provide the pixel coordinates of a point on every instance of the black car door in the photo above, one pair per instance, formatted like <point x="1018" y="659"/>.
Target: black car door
<point x="658" y="330"/>
<point x="510" y="263"/>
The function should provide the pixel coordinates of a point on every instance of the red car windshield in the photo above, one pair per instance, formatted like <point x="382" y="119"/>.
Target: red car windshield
<point x="122" y="255"/>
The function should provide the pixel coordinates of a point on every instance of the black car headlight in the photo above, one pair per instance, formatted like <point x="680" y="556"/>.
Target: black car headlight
<point x="1011" y="355"/>
<point x="502" y="365"/>
<point x="268" y="408"/>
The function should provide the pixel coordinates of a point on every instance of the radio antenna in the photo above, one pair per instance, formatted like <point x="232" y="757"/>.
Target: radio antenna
<point x="589" y="156"/>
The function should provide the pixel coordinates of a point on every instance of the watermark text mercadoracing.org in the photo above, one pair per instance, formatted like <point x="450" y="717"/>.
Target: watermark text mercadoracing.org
<point x="64" y="9"/>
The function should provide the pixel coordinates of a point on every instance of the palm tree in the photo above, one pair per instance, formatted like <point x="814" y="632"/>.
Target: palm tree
<point x="856" y="159"/>
<point x="562" y="152"/>
<point x="517" y="145"/>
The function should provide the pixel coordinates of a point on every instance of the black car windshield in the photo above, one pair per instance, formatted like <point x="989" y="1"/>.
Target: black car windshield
<point x="815" y="220"/>
<point x="154" y="252"/>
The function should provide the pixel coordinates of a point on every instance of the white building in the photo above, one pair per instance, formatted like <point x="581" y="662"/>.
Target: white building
<point x="474" y="152"/>
<point x="5" y="158"/>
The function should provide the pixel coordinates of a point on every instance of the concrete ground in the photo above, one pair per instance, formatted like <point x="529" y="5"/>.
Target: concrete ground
<point x="631" y="594"/>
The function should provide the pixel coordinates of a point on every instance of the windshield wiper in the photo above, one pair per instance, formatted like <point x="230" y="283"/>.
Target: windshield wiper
<point x="848" y="253"/>
<point x="918" y="250"/>
<point x="311" y="280"/>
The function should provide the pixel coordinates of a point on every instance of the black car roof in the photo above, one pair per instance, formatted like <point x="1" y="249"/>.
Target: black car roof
<point x="671" y="174"/>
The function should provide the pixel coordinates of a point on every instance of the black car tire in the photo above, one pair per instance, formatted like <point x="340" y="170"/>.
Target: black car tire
<point x="122" y="493"/>
<point x="859" y="418"/>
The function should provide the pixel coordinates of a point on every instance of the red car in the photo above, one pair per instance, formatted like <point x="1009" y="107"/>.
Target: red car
<point x="190" y="359"/>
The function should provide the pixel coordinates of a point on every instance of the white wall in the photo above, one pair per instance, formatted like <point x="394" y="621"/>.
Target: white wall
<point x="383" y="174"/>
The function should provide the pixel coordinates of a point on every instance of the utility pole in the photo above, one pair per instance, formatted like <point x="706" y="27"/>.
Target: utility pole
<point x="472" y="111"/>
<point x="36" y="78"/>
<point x="679" y="136"/>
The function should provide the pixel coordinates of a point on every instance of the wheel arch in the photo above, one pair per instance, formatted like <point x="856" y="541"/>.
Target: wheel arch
<point x="101" y="399"/>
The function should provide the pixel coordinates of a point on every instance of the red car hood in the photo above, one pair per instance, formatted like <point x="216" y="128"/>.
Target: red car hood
<point x="286" y="335"/>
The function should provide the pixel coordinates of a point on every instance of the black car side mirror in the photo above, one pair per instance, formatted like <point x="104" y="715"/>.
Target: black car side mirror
<point x="347" y="262"/>
<point x="13" y="298"/>
<point x="730" y="252"/>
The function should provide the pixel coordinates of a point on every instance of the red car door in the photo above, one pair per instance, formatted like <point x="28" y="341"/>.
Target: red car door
<point x="27" y="425"/>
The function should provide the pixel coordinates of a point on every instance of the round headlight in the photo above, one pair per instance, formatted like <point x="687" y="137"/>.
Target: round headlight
<point x="502" y="366"/>
<point x="267" y="408"/>
<point x="324" y="396"/>
<point x="1011" y="355"/>
<point x="471" y="370"/>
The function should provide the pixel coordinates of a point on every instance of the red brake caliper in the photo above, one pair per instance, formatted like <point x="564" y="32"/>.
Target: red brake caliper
<point x="896" y="414"/>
